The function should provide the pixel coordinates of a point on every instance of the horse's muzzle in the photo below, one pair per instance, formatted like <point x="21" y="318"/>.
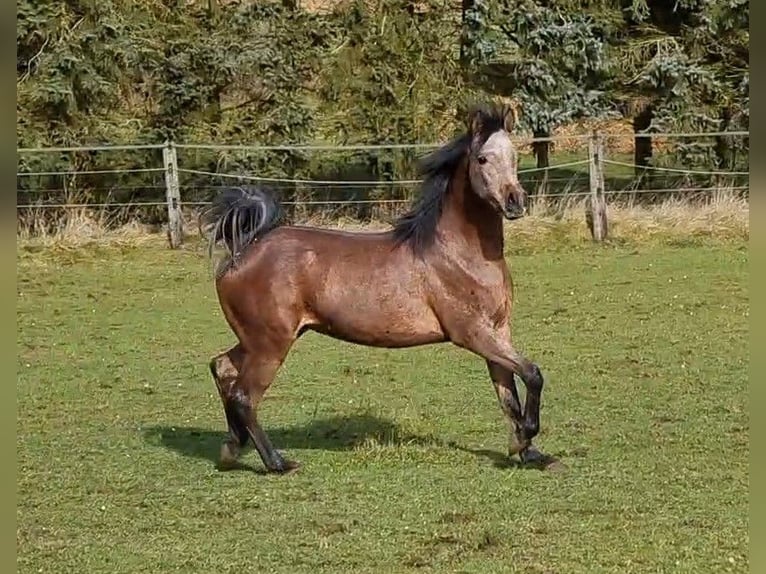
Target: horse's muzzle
<point x="514" y="210"/>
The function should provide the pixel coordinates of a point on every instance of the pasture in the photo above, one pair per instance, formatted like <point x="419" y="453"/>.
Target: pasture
<point x="645" y="354"/>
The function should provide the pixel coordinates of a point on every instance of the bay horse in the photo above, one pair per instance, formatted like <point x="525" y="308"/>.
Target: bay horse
<point x="437" y="276"/>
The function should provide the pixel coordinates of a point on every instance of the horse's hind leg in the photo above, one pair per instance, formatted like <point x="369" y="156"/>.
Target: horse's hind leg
<point x="259" y="367"/>
<point x="225" y="370"/>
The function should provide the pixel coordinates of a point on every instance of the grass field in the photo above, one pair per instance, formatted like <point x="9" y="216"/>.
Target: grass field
<point x="645" y="353"/>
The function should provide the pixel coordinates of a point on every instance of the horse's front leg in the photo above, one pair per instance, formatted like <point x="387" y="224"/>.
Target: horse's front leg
<point x="508" y="397"/>
<point x="494" y="345"/>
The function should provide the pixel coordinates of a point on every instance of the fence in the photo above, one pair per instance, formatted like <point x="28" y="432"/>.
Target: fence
<point x="595" y="175"/>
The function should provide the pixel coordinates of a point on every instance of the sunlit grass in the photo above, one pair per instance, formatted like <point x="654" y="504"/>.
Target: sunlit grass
<point x="644" y="350"/>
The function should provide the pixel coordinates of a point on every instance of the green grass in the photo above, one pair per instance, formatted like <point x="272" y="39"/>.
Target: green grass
<point x="645" y="355"/>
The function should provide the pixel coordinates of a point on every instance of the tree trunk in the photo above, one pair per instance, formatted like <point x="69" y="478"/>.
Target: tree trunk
<point x="212" y="110"/>
<point x="723" y="153"/>
<point x="213" y="9"/>
<point x="642" y="145"/>
<point x="465" y="7"/>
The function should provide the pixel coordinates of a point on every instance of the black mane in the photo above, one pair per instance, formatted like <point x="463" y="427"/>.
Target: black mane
<point x="417" y="227"/>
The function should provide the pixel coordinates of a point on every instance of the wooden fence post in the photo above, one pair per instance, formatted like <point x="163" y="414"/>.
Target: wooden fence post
<point x="595" y="214"/>
<point x="173" y="195"/>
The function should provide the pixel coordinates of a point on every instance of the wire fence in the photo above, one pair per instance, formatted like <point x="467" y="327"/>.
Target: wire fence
<point x="361" y="181"/>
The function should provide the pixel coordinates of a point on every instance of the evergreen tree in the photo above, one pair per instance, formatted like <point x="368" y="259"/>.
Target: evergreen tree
<point x="550" y="56"/>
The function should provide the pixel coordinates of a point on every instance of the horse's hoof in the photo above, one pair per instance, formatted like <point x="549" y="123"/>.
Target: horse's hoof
<point x="531" y="455"/>
<point x="228" y="458"/>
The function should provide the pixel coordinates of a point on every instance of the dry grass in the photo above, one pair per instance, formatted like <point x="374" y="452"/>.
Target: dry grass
<point x="722" y="216"/>
<point x="78" y="228"/>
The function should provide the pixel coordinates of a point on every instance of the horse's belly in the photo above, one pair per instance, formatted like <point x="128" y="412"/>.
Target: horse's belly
<point x="380" y="327"/>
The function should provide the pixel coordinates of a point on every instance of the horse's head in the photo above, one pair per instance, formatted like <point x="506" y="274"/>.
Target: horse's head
<point x="493" y="161"/>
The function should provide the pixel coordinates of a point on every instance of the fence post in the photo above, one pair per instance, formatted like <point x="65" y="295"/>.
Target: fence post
<point x="595" y="214"/>
<point x="173" y="195"/>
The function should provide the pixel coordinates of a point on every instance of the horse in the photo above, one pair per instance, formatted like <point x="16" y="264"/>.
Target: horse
<point x="438" y="275"/>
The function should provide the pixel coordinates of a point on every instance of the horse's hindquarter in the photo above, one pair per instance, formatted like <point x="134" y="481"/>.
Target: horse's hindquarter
<point x="363" y="289"/>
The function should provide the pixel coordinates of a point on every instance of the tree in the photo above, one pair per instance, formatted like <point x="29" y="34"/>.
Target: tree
<point x="74" y="79"/>
<point x="547" y="55"/>
<point x="71" y="62"/>
<point x="395" y="77"/>
<point x="688" y="60"/>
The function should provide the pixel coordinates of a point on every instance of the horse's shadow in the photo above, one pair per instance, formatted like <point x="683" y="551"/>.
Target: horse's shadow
<point x="331" y="434"/>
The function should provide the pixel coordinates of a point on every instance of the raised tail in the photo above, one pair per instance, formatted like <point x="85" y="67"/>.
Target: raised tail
<point x="240" y="215"/>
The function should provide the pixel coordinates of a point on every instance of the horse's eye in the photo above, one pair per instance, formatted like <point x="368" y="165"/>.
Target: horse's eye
<point x="482" y="160"/>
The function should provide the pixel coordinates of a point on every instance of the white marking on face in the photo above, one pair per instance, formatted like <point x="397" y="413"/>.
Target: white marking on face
<point x="493" y="170"/>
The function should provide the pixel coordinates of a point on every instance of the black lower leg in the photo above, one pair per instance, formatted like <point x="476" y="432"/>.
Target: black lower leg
<point x="271" y="458"/>
<point x="534" y="383"/>
<point x="235" y="417"/>
<point x="519" y="439"/>
<point x="533" y="380"/>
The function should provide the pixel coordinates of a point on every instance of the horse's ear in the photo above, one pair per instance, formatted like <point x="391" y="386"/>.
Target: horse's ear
<point x="510" y="118"/>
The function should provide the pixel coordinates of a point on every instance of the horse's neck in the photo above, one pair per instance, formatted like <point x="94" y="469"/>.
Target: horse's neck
<point x="469" y="223"/>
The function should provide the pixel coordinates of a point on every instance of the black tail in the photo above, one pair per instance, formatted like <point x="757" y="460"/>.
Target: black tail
<point x="240" y="215"/>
